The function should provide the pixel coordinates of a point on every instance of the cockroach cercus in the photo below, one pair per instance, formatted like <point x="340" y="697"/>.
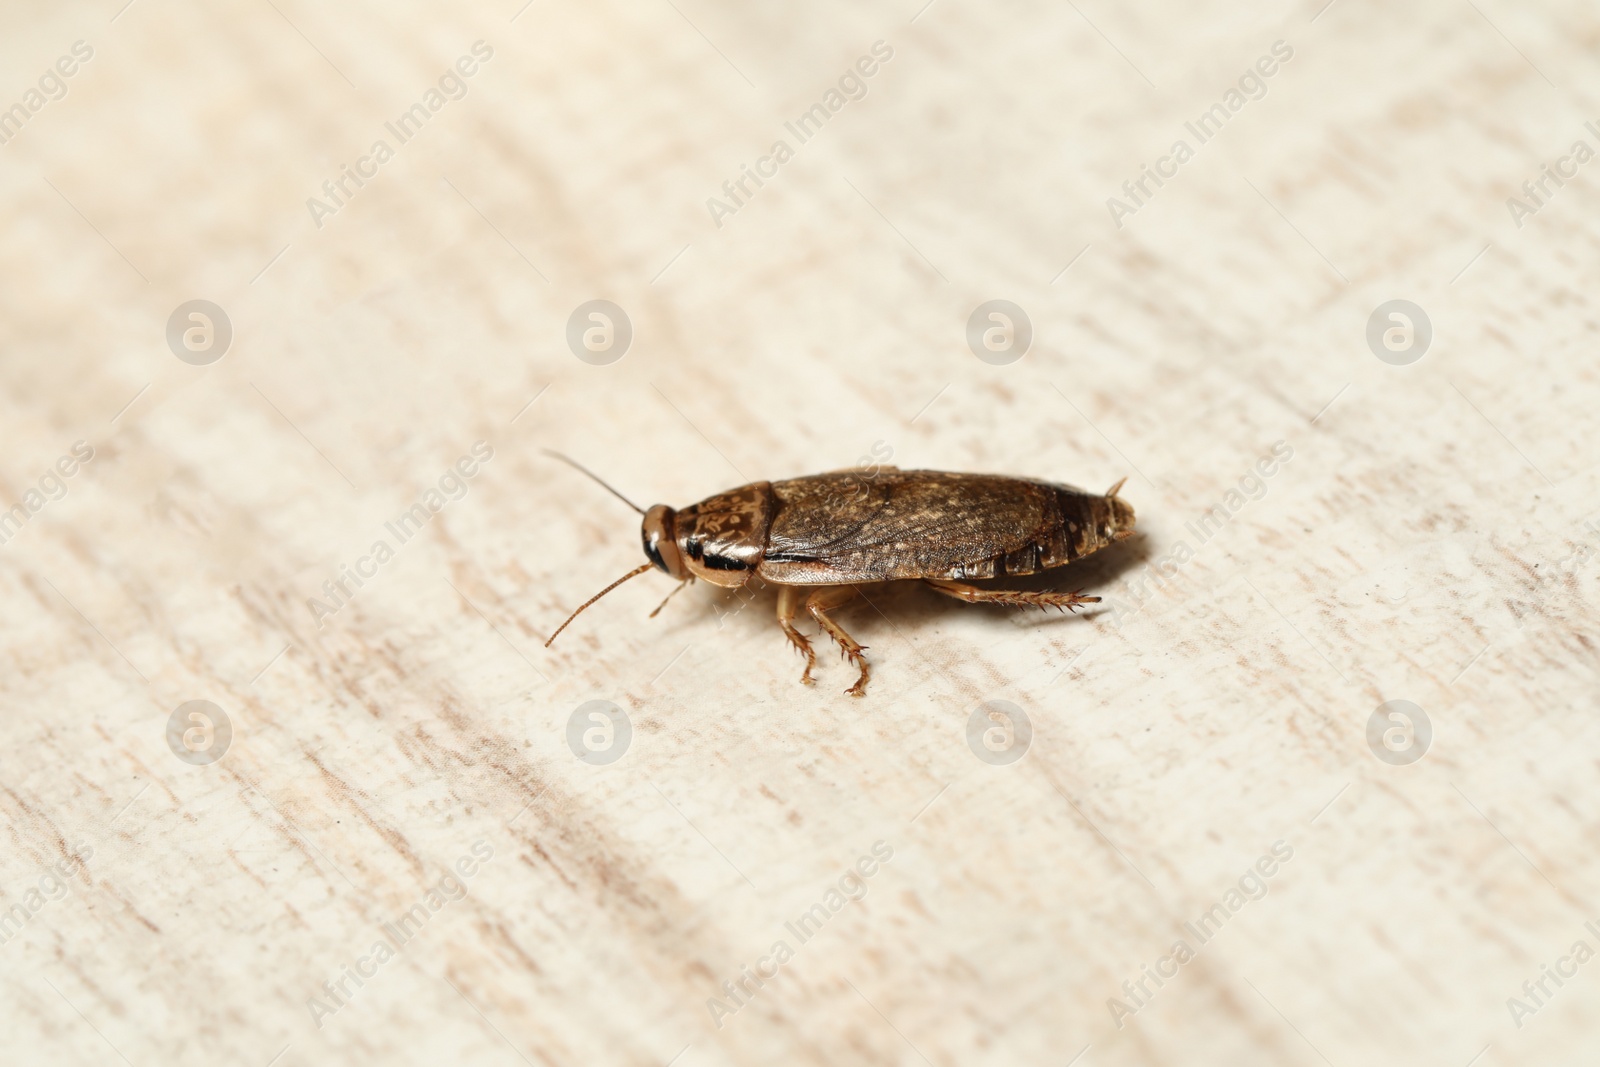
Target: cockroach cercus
<point x="820" y="537"/>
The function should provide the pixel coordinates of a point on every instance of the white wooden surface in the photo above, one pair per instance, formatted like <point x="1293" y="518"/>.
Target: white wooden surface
<point x="1426" y="541"/>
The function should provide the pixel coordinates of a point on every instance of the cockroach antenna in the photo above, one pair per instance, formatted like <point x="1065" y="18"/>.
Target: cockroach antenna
<point x="631" y="574"/>
<point x="579" y="466"/>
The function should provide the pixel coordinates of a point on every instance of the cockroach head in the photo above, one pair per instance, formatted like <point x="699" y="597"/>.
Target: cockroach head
<point x="659" y="534"/>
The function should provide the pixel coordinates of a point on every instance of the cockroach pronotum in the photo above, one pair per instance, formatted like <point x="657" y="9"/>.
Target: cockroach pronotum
<point x="820" y="537"/>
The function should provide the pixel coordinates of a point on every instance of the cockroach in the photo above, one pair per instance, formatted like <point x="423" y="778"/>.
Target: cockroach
<point x="819" y="538"/>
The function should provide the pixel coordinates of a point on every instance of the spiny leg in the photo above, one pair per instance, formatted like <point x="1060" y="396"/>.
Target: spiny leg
<point x="789" y="598"/>
<point x="1020" y="598"/>
<point x="819" y="604"/>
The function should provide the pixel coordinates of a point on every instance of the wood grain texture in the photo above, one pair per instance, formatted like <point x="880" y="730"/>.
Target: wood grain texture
<point x="1432" y="537"/>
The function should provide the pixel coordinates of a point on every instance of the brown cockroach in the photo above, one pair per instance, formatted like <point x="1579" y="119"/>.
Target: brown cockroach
<point x="820" y="537"/>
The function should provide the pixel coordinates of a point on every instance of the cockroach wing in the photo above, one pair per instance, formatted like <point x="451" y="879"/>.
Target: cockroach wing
<point x="849" y="527"/>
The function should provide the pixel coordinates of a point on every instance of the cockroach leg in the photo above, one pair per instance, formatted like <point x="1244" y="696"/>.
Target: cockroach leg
<point x="670" y="595"/>
<point x="819" y="604"/>
<point x="1015" y="597"/>
<point x="789" y="598"/>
